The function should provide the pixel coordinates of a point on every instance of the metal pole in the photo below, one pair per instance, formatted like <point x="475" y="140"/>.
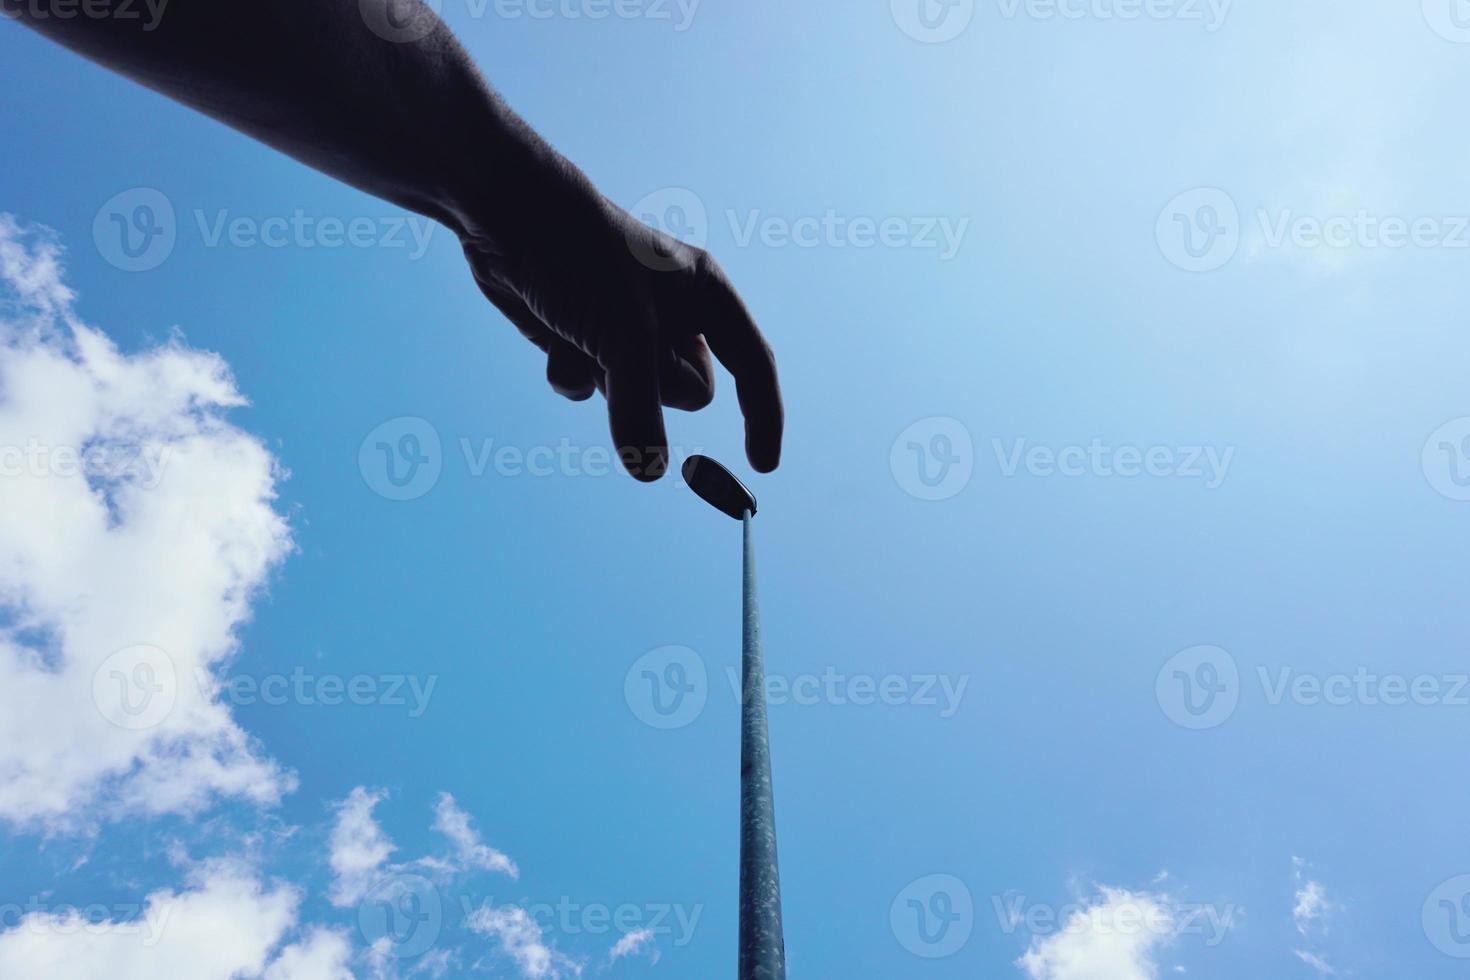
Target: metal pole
<point x="762" y="945"/>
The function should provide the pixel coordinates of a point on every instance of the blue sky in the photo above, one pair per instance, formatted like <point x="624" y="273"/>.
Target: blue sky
<point x="1112" y="574"/>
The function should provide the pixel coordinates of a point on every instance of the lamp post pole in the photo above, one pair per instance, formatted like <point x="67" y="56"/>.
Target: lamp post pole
<point x="762" y="944"/>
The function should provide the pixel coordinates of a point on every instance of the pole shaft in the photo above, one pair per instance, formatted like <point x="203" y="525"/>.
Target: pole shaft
<point x="762" y="945"/>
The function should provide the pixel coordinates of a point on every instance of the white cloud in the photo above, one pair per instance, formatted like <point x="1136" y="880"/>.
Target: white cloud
<point x="224" y="926"/>
<point x="1115" y="936"/>
<point x="454" y="824"/>
<point x="323" y="954"/>
<point x="1311" y="907"/>
<point x="137" y="525"/>
<point x="1309" y="913"/>
<point x="134" y="517"/>
<point x="357" y="847"/>
<point x="632" y="944"/>
<point x="1316" y="963"/>
<point x="521" y="940"/>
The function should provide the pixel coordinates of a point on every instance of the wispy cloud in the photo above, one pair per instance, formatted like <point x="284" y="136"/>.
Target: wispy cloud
<point x="1309" y="913"/>
<point x="637" y="942"/>
<point x="472" y="852"/>
<point x="1316" y="962"/>
<point x="520" y="939"/>
<point x="357" y="848"/>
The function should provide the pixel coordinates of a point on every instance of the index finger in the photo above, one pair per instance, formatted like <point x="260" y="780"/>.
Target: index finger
<point x="734" y="338"/>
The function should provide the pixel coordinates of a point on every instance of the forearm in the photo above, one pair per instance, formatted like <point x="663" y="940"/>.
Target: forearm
<point x="395" y="108"/>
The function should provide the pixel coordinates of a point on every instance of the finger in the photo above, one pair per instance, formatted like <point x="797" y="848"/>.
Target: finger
<point x="686" y="374"/>
<point x="570" y="372"/>
<point x="631" y="384"/>
<point x="738" y="343"/>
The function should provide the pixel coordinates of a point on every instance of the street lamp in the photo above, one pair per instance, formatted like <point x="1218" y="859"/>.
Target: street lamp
<point x="762" y="945"/>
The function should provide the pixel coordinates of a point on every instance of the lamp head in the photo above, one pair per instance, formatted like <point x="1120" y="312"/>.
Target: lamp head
<point x="718" y="487"/>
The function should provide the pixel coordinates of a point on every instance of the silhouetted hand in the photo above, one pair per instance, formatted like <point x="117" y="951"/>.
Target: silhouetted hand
<point x="627" y="310"/>
<point x="379" y="93"/>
